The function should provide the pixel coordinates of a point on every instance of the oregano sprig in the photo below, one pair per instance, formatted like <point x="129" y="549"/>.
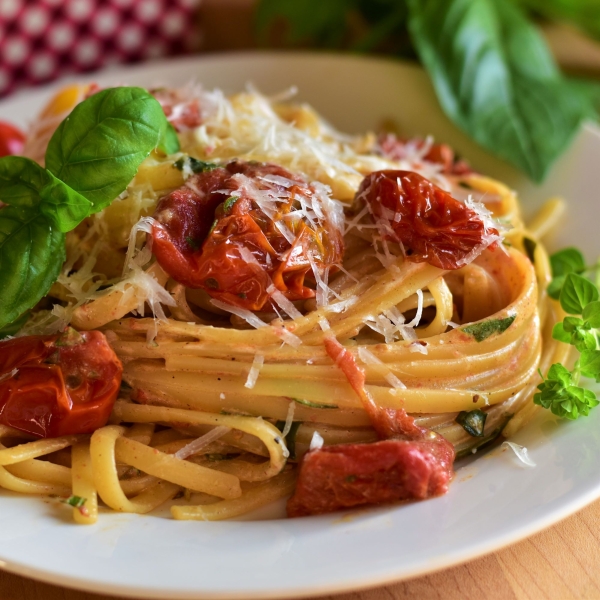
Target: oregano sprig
<point x="560" y="390"/>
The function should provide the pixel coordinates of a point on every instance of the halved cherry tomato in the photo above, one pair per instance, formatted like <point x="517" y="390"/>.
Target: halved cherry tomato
<point x="12" y="139"/>
<point x="58" y="385"/>
<point x="214" y="234"/>
<point x="431" y="225"/>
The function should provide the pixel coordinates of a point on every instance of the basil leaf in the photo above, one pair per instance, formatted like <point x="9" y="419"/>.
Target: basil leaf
<point x="582" y="13"/>
<point x="496" y="79"/>
<point x="15" y="326"/>
<point x="169" y="143"/>
<point x="98" y="148"/>
<point x="31" y="255"/>
<point x="482" y="331"/>
<point x="472" y="421"/>
<point x="568" y="260"/>
<point x="576" y="292"/>
<point x="25" y="183"/>
<point x="589" y="363"/>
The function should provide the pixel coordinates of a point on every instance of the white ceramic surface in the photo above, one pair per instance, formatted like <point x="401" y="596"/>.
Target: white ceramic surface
<point x="492" y="502"/>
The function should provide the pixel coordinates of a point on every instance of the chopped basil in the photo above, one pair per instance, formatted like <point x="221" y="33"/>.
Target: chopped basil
<point x="211" y="283"/>
<point x="75" y="501"/>
<point x="482" y="331"/>
<point x="290" y="438"/>
<point x="314" y="404"/>
<point x="197" y="166"/>
<point x="192" y="243"/>
<point x="70" y="337"/>
<point x="472" y="421"/>
<point x="228" y="204"/>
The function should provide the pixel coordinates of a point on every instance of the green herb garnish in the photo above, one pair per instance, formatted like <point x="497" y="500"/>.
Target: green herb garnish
<point x="290" y="438"/>
<point x="560" y="390"/>
<point x="314" y="404"/>
<point x="472" y="421"/>
<point x="482" y="331"/>
<point x="75" y="501"/>
<point x="228" y="204"/>
<point x="91" y="158"/>
<point x="197" y="166"/>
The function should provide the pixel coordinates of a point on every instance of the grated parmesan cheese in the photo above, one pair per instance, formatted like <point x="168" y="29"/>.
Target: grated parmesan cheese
<point x="368" y="358"/>
<point x="316" y="442"/>
<point x="257" y="364"/>
<point x="289" y="419"/>
<point x="521" y="453"/>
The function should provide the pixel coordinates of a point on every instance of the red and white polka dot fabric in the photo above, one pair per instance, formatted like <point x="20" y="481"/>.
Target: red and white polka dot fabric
<point x="43" y="39"/>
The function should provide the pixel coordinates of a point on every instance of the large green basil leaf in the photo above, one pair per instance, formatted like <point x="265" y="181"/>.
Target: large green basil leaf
<point x="585" y="14"/>
<point x="24" y="183"/>
<point x="98" y="148"/>
<point x="496" y="79"/>
<point x="32" y="252"/>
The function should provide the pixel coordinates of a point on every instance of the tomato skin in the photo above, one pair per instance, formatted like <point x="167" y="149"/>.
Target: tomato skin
<point x="12" y="139"/>
<point x="431" y="225"/>
<point x="390" y="146"/>
<point x="62" y="385"/>
<point x="213" y="235"/>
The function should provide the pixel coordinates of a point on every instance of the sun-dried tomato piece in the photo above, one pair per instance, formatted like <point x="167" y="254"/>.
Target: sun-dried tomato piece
<point x="348" y="475"/>
<point x="431" y="225"/>
<point x="234" y="231"/>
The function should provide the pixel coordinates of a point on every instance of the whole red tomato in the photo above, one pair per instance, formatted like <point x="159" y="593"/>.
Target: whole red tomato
<point x="12" y="139"/>
<point x="58" y="385"/>
<point x="234" y="231"/>
<point x="431" y="225"/>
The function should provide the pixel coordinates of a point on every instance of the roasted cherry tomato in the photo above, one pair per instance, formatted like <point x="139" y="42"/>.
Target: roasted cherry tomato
<point x="58" y="385"/>
<point x="12" y="139"/>
<point x="431" y="225"/>
<point x="395" y="148"/>
<point x="237" y="230"/>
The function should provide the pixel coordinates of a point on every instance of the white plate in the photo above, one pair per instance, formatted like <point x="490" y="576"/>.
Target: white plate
<point x="492" y="502"/>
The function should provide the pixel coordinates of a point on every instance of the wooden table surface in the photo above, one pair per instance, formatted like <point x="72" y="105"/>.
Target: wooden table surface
<point x="560" y="563"/>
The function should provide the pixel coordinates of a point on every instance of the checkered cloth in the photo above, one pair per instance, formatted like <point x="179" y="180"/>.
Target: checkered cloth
<point x="43" y="39"/>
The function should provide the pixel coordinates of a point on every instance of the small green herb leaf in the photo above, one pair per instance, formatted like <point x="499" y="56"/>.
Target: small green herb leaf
<point x="290" y="438"/>
<point x="589" y="364"/>
<point x="559" y="333"/>
<point x="31" y="255"/>
<point x="98" y="148"/>
<point x="576" y="293"/>
<point x="482" y="331"/>
<point x="567" y="260"/>
<point x="197" y="166"/>
<point x="228" y="204"/>
<point x="472" y="421"/>
<point x="75" y="501"/>
<point x="591" y="314"/>
<point x="313" y="404"/>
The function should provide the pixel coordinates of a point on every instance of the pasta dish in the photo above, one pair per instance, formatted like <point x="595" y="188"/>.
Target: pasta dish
<point x="269" y="308"/>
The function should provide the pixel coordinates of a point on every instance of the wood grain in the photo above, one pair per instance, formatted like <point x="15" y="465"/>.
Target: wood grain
<point x="560" y="563"/>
